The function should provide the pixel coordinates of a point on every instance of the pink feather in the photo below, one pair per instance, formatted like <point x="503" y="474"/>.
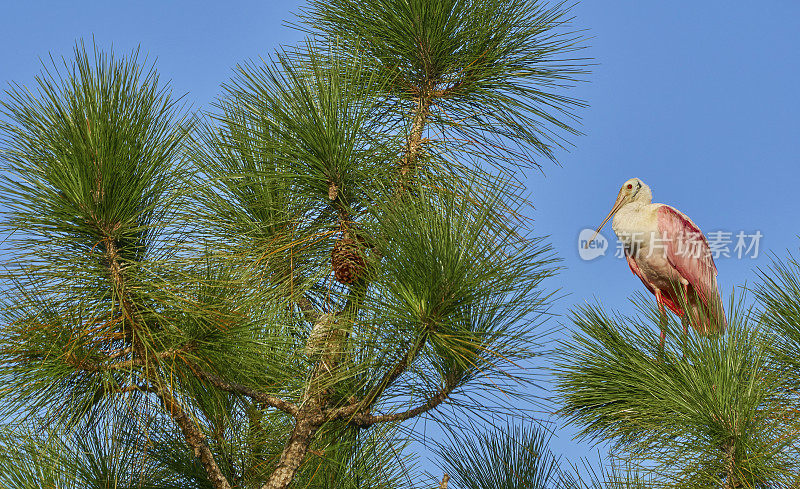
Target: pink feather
<point x="687" y="250"/>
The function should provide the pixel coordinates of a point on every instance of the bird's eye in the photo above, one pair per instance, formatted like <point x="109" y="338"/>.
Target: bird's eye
<point x="630" y="186"/>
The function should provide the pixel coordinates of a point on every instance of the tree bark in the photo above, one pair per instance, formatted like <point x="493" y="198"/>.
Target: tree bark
<point x="194" y="438"/>
<point x="310" y="416"/>
<point x="414" y="140"/>
<point x="296" y="447"/>
<point x="731" y="479"/>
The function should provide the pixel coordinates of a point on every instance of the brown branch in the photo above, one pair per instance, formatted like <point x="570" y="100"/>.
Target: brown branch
<point x="194" y="438"/>
<point x="366" y="419"/>
<point x="310" y="416"/>
<point x="732" y="480"/>
<point x="445" y="480"/>
<point x="392" y="375"/>
<point x="414" y="140"/>
<point x="115" y="269"/>
<point x="120" y="353"/>
<point x="235" y="388"/>
<point x="347" y="412"/>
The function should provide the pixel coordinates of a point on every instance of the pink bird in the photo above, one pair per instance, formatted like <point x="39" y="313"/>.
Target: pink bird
<point x="669" y="253"/>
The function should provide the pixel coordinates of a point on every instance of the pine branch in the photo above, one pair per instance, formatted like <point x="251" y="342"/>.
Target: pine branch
<point x="364" y="419"/>
<point x="392" y="375"/>
<point x="709" y="411"/>
<point x="504" y="457"/>
<point x="731" y="464"/>
<point x="193" y="436"/>
<point x="413" y="146"/>
<point x="243" y="390"/>
<point x="95" y="366"/>
<point x="311" y="415"/>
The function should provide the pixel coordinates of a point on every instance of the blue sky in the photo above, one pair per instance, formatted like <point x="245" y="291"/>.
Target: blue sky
<point x="698" y="99"/>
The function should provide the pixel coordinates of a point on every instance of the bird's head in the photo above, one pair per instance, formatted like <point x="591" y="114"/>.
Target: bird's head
<point x="633" y="190"/>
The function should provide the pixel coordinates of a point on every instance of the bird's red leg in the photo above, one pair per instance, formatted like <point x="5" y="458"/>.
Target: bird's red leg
<point x="663" y="318"/>
<point x="685" y="317"/>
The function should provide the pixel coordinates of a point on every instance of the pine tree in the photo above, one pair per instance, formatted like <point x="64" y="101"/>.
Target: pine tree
<point x="705" y="412"/>
<point x="266" y="292"/>
<point x="518" y="455"/>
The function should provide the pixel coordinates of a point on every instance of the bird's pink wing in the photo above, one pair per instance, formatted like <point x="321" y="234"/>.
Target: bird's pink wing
<point x="687" y="250"/>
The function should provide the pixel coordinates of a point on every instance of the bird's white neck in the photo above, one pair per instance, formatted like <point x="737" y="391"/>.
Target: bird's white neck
<point x="643" y="196"/>
<point x="634" y="221"/>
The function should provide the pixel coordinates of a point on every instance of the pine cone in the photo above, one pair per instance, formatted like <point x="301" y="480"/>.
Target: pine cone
<point x="347" y="260"/>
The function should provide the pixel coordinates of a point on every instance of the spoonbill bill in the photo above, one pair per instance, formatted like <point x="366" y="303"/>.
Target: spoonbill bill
<point x="669" y="253"/>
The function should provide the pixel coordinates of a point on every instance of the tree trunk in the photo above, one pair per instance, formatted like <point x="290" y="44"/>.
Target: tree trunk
<point x="310" y="417"/>
<point x="731" y="479"/>
<point x="296" y="448"/>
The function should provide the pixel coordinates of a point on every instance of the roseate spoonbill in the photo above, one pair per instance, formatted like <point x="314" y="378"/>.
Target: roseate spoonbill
<point x="669" y="253"/>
